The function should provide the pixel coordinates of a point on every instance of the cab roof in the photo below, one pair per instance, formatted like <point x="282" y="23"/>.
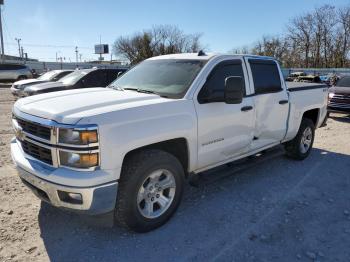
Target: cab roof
<point x="206" y="56"/>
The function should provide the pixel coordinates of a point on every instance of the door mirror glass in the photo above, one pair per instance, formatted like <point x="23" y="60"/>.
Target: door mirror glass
<point x="234" y="90"/>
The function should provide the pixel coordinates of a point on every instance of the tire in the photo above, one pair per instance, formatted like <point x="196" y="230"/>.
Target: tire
<point x="296" y="148"/>
<point x="21" y="78"/>
<point x="140" y="171"/>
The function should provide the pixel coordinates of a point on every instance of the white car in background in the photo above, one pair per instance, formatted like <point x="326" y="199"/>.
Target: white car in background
<point x="14" y="72"/>
<point x="50" y="76"/>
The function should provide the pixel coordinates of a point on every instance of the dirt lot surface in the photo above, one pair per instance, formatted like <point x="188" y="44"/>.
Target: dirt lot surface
<point x="269" y="208"/>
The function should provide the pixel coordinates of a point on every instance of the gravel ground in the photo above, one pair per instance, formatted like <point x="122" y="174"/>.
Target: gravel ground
<point x="268" y="208"/>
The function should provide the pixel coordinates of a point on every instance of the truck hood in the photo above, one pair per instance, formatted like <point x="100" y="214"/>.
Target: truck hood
<point x="26" y="81"/>
<point x="37" y="82"/>
<point x="45" y="86"/>
<point x="68" y="107"/>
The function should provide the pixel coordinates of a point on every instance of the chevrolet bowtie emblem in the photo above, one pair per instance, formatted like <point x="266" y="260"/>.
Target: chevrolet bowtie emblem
<point x="20" y="133"/>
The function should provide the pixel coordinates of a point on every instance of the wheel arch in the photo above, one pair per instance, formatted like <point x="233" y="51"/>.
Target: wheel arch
<point x="178" y="147"/>
<point x="312" y="114"/>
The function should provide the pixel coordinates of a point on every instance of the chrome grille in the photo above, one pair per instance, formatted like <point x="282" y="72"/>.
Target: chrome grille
<point x="38" y="138"/>
<point x="38" y="152"/>
<point x="340" y="101"/>
<point x="35" y="129"/>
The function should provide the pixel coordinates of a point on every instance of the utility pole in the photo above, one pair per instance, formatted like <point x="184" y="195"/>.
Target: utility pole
<point x="22" y="53"/>
<point x="80" y="55"/>
<point x="76" y="54"/>
<point x="19" y="46"/>
<point x="1" y="36"/>
<point x="100" y="53"/>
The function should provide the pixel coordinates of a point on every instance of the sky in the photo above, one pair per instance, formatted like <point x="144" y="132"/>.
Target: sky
<point x="50" y="27"/>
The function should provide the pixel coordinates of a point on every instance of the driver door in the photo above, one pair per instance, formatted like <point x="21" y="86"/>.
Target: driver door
<point x="224" y="130"/>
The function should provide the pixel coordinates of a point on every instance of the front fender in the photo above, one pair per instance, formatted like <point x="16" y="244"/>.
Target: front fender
<point x="128" y="129"/>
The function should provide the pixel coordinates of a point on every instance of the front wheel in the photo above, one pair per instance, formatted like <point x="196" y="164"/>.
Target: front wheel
<point x="299" y="148"/>
<point x="150" y="190"/>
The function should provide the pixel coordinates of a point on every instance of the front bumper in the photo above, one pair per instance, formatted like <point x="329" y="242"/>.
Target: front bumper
<point x="95" y="200"/>
<point x="17" y="92"/>
<point x="335" y="109"/>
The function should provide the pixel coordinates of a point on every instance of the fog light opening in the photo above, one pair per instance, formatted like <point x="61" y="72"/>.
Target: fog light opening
<point x="71" y="198"/>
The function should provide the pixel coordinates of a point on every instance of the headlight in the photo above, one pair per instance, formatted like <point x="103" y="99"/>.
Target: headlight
<point x="78" y="160"/>
<point x="77" y="137"/>
<point x="331" y="95"/>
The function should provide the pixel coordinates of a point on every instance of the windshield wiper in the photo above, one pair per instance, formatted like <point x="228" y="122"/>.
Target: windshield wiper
<point x="145" y="91"/>
<point x="116" y="87"/>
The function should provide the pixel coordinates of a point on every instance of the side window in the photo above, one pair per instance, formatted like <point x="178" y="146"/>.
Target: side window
<point x="266" y="76"/>
<point x="215" y="84"/>
<point x="8" y="67"/>
<point x="95" y="79"/>
<point x="60" y="75"/>
<point x="16" y="67"/>
<point x="112" y="75"/>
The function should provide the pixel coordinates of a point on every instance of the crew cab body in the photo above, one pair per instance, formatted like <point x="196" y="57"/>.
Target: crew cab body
<point x="198" y="124"/>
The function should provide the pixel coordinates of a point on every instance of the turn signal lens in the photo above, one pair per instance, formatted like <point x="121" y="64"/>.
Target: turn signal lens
<point x="88" y="137"/>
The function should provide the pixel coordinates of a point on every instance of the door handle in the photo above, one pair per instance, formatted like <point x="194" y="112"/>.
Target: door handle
<point x="246" y="108"/>
<point x="282" y="102"/>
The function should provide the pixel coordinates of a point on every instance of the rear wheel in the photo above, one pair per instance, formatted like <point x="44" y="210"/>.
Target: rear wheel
<point x="150" y="190"/>
<point x="299" y="148"/>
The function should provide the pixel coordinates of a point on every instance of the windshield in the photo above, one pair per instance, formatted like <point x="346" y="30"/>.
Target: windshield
<point x="344" y="82"/>
<point x="166" y="77"/>
<point x="74" y="77"/>
<point x="48" y="76"/>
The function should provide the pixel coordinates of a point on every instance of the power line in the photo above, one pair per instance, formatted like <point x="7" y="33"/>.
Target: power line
<point x="50" y="46"/>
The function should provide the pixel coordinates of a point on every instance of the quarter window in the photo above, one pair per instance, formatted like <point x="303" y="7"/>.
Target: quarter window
<point x="266" y="76"/>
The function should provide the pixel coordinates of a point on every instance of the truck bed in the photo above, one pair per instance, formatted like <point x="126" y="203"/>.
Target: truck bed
<point x="309" y="96"/>
<point x="298" y="86"/>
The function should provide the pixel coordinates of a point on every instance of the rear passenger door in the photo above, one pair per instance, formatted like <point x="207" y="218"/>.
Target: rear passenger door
<point x="270" y="100"/>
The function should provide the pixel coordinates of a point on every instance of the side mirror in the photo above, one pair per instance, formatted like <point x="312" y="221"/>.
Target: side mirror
<point x="234" y="90"/>
<point x="119" y="74"/>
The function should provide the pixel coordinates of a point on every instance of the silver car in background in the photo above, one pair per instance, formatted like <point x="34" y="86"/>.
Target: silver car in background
<point x="50" y="76"/>
<point x="14" y="72"/>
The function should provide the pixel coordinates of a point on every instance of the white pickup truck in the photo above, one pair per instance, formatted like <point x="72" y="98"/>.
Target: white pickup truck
<point x="128" y="148"/>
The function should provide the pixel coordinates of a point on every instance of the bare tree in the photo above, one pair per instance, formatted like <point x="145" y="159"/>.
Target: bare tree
<point x="270" y="46"/>
<point x="319" y="38"/>
<point x="344" y="32"/>
<point x="159" y="40"/>
<point x="300" y="32"/>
